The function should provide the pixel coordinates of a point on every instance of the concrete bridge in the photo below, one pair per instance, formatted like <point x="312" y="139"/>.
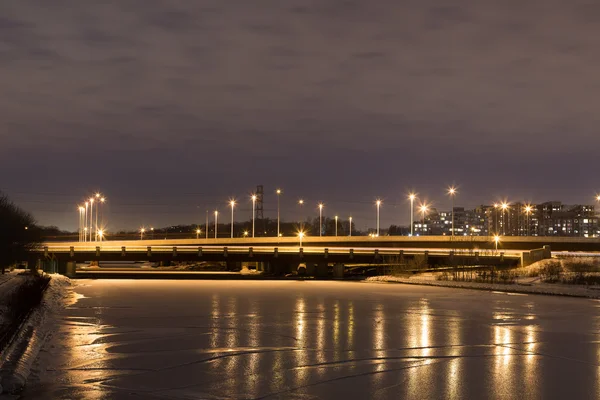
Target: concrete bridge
<point x="283" y="255"/>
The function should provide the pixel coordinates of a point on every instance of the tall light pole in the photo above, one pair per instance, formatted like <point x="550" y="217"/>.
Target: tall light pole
<point x="102" y="200"/>
<point x="91" y="217"/>
<point x="504" y="207"/>
<point x="301" y="204"/>
<point x="142" y="233"/>
<point x="452" y="192"/>
<point x="254" y="197"/>
<point x="350" y="227"/>
<point x="100" y="234"/>
<point x="81" y="211"/>
<point x="232" y="204"/>
<point x="206" y="226"/>
<point x="423" y="209"/>
<point x="301" y="235"/>
<point x="378" y="203"/>
<point x="412" y="198"/>
<point x="496" y="205"/>
<point x="320" y="219"/>
<point x="496" y="240"/>
<point x="216" y="222"/>
<point x="85" y="220"/>
<point x="336" y="220"/>
<point x="278" y="194"/>
<point x="528" y="210"/>
<point x="97" y="208"/>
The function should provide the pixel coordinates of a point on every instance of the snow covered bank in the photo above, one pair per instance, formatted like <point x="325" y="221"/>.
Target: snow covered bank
<point x="526" y="286"/>
<point x="17" y="359"/>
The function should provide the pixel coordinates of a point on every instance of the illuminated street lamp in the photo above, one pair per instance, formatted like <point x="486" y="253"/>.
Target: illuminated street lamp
<point x="100" y="234"/>
<point x="300" y="236"/>
<point x="452" y="192"/>
<point x="496" y="240"/>
<point x="350" y="227"/>
<point x="97" y="208"/>
<point x="378" y="203"/>
<point x="197" y="233"/>
<point x="336" y="220"/>
<point x="245" y="233"/>
<point x="278" y="194"/>
<point x="253" y="211"/>
<point x="85" y="221"/>
<point x="81" y="213"/>
<point x="301" y="204"/>
<point x="91" y="217"/>
<point x="232" y="204"/>
<point x="423" y="209"/>
<point x="412" y="198"/>
<point x="216" y="222"/>
<point x="320" y="219"/>
<point x="528" y="210"/>
<point x="504" y="207"/>
<point x="496" y="205"/>
<point x="142" y="233"/>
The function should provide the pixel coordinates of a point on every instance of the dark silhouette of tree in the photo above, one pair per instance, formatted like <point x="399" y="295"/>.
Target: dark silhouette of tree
<point x="18" y="233"/>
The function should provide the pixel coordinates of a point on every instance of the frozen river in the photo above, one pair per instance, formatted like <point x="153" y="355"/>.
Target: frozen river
<point x="127" y="339"/>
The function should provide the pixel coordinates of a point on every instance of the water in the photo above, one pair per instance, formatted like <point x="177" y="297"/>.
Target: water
<point x="317" y="339"/>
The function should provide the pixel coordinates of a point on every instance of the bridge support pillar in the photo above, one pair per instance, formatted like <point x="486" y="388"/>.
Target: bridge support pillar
<point x="547" y="252"/>
<point x="278" y="268"/>
<point x="321" y="270"/>
<point x="233" y="266"/>
<point x="338" y="270"/>
<point x="70" y="268"/>
<point x="301" y="269"/>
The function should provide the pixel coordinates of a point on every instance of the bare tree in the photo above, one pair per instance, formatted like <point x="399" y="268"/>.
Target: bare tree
<point x="18" y="233"/>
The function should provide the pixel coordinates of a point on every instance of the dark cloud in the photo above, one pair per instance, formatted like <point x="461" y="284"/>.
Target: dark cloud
<point x="377" y="97"/>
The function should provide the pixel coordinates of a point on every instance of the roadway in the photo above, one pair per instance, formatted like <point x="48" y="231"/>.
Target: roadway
<point x="423" y="242"/>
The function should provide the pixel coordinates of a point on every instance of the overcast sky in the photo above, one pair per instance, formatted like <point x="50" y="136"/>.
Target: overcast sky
<point x="171" y="107"/>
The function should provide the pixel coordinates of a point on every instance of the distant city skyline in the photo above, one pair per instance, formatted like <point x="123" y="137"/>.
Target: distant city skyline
<point x="160" y="213"/>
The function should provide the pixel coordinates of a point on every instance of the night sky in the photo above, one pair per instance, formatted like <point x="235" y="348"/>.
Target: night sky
<point x="171" y="107"/>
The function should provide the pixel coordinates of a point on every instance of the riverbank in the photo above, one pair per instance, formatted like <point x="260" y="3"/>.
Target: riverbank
<point x="522" y="285"/>
<point x="24" y="301"/>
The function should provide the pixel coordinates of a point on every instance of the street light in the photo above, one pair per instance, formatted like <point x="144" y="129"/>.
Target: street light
<point x="504" y="207"/>
<point x="253" y="212"/>
<point x="496" y="240"/>
<point x="423" y="209"/>
<point x="245" y="233"/>
<point x="300" y="236"/>
<point x="378" y="203"/>
<point x="81" y="211"/>
<point x="99" y="211"/>
<point x="301" y="204"/>
<point x="232" y="204"/>
<point x="100" y="234"/>
<point x="412" y="198"/>
<point x="197" y="233"/>
<point x="496" y="205"/>
<point x="278" y="194"/>
<point x="350" y="226"/>
<point x="528" y="210"/>
<point x="336" y="220"/>
<point x="85" y="221"/>
<point x="452" y="192"/>
<point x="91" y="217"/>
<point x="216" y="222"/>
<point x="142" y="233"/>
<point x="320" y="219"/>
